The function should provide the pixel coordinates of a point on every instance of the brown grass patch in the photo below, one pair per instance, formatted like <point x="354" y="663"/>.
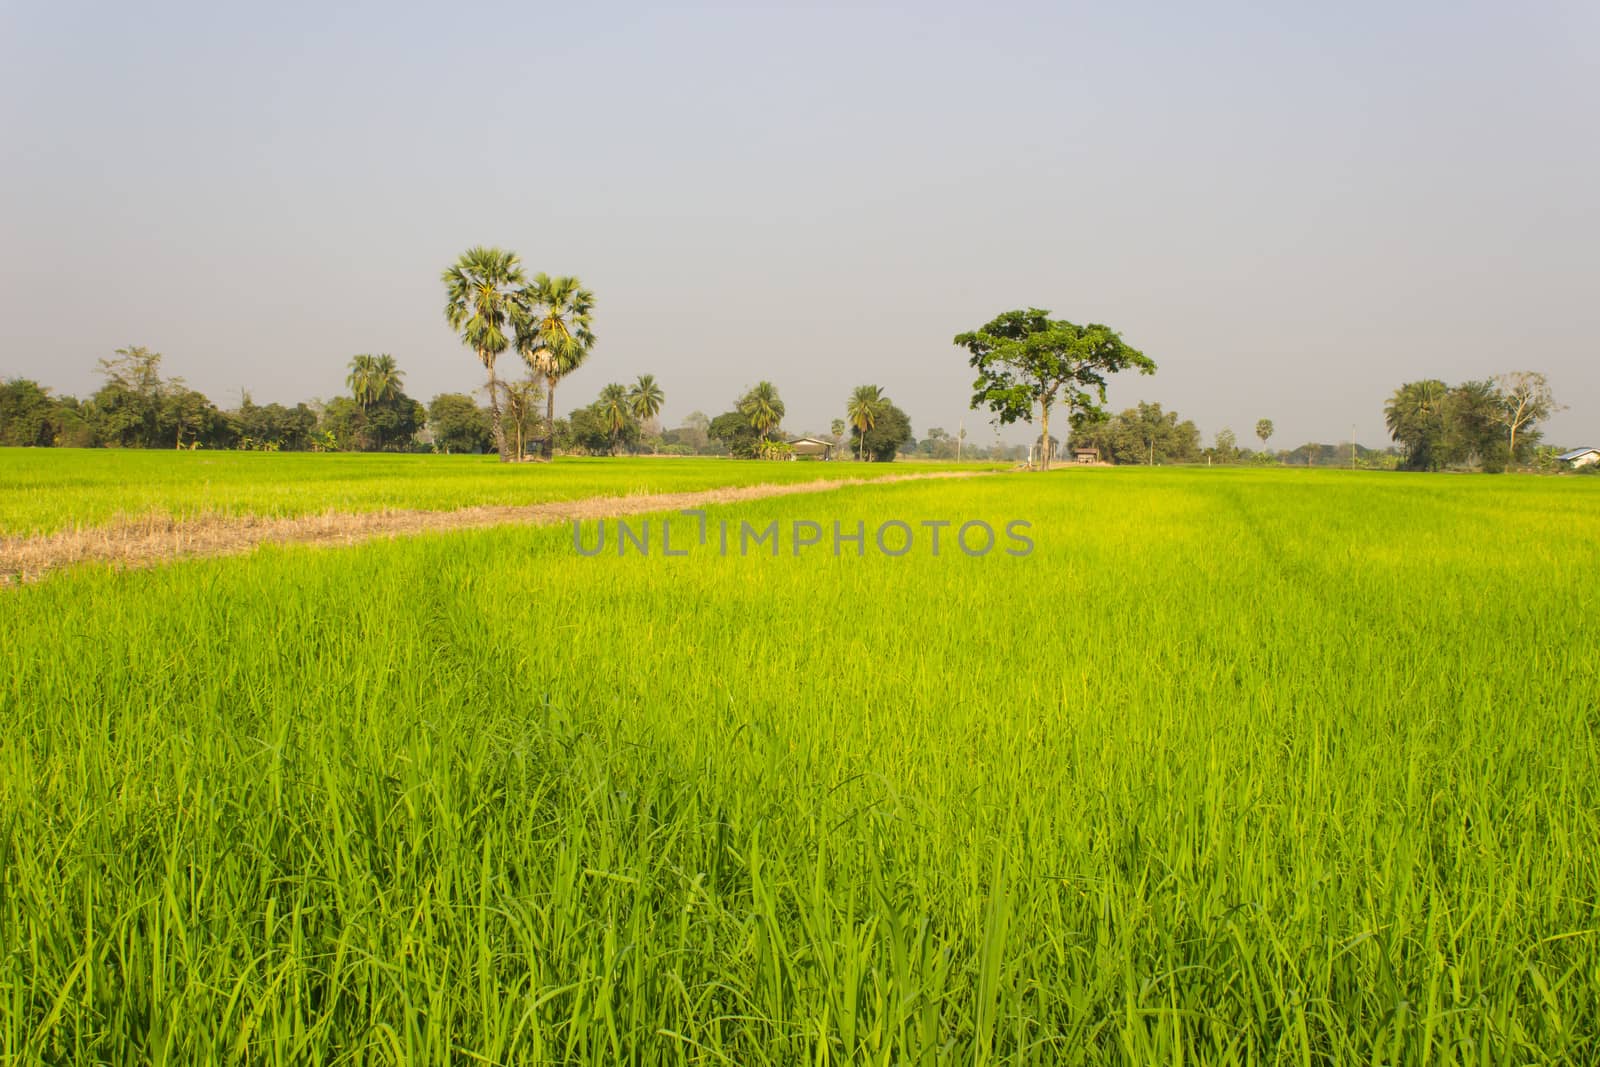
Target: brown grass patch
<point x="160" y="538"/>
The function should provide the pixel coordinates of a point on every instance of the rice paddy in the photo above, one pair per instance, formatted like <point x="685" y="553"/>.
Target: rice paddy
<point x="44" y="490"/>
<point x="1234" y="767"/>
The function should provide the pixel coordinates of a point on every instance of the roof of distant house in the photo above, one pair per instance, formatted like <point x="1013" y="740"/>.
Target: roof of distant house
<point x="1576" y="452"/>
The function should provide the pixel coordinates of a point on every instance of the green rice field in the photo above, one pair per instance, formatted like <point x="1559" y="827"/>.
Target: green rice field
<point x="1235" y="767"/>
<point x="43" y="490"/>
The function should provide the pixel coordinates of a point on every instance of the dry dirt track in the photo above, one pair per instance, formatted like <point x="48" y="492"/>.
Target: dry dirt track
<point x="158" y="539"/>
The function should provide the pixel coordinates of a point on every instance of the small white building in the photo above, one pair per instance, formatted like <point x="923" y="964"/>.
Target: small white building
<point x="1580" y="457"/>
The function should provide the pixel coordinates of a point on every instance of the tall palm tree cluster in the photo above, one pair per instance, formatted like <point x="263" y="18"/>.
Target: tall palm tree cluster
<point x="496" y="306"/>
<point x="374" y="379"/>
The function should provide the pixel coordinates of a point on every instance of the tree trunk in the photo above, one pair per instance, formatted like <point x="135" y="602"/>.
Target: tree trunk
<point x="548" y="450"/>
<point x="1044" y="444"/>
<point x="494" y="409"/>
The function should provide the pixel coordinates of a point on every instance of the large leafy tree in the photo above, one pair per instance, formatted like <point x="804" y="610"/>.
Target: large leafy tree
<point x="890" y="429"/>
<point x="865" y="405"/>
<point x="483" y="303"/>
<point x="762" y="409"/>
<point x="1026" y="359"/>
<point x="458" y="424"/>
<point x="556" y="335"/>
<point x="27" y="414"/>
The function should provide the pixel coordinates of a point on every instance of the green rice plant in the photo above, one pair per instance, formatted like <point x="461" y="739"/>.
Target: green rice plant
<point x="1234" y="767"/>
<point x="43" y="490"/>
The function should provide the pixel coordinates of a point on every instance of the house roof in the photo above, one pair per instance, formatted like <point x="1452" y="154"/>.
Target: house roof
<point x="1576" y="452"/>
<point x="809" y="441"/>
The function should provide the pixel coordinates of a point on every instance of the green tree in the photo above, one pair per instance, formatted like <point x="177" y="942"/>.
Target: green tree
<point x="373" y="379"/>
<point x="1525" y="400"/>
<point x="762" y="409"/>
<point x="522" y="409"/>
<point x="733" y="431"/>
<point x="890" y="430"/>
<point x="1264" y="430"/>
<point x="556" y="336"/>
<point x="1026" y="359"/>
<point x="1415" y="415"/>
<point x="1226" y="446"/>
<point x="646" y="397"/>
<point x="483" y="303"/>
<point x="28" y="414"/>
<point x="863" y="409"/>
<point x="1145" y="434"/>
<point x="615" y="413"/>
<point x="458" y="424"/>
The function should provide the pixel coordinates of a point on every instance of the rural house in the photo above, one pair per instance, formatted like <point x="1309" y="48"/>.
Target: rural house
<point x="811" y="448"/>
<point x="1580" y="457"/>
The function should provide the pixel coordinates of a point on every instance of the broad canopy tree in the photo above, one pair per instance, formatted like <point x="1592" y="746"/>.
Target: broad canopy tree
<point x="1026" y="359"/>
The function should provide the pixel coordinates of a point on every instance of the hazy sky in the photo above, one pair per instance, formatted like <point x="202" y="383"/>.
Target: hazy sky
<point x="1290" y="208"/>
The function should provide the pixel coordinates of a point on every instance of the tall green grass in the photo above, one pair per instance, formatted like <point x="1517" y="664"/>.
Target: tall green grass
<point x="44" y="489"/>
<point x="1236" y="767"/>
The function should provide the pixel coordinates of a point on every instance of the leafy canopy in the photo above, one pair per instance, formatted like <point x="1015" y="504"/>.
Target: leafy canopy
<point x="1025" y="358"/>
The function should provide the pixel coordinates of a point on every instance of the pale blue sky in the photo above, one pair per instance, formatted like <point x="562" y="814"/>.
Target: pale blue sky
<point x="1291" y="208"/>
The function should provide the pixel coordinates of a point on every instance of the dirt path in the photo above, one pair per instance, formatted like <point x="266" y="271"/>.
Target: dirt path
<point x="158" y="539"/>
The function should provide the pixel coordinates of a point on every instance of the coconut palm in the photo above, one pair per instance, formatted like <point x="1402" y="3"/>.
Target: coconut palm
<point x="762" y="409"/>
<point x="481" y="302"/>
<point x="646" y="397"/>
<point x="556" y="335"/>
<point x="615" y="411"/>
<point x="374" y="379"/>
<point x="866" y="403"/>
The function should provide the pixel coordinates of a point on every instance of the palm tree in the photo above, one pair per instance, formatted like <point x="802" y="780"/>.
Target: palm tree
<point x="865" y="404"/>
<point x="522" y="406"/>
<point x="481" y="302"/>
<point x="762" y="409"/>
<point x="374" y="379"/>
<point x="646" y="397"/>
<point x="615" y="411"/>
<point x="555" y="336"/>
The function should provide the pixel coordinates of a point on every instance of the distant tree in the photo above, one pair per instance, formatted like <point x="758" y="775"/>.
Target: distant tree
<point x="557" y="334"/>
<point x="733" y="431"/>
<point x="522" y="410"/>
<point x="1227" y="446"/>
<point x="692" y="437"/>
<point x="1147" y="435"/>
<point x="762" y="409"/>
<point x="645" y="398"/>
<point x="616" y="412"/>
<point x="1026" y="358"/>
<point x="1525" y="400"/>
<point x="1415" y="415"/>
<point x="482" y="303"/>
<point x="28" y="414"/>
<point x="865" y="405"/>
<point x="890" y="430"/>
<point x="459" y="425"/>
<point x="1264" y="430"/>
<point x="273" y="427"/>
<point x="1471" y="427"/>
<point x="373" y="379"/>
